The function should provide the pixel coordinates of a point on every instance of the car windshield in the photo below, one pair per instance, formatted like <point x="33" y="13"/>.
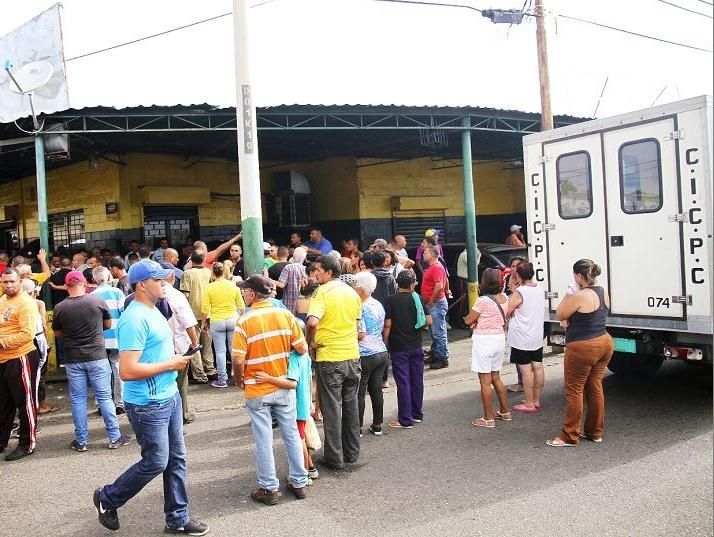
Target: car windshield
<point x="504" y="255"/>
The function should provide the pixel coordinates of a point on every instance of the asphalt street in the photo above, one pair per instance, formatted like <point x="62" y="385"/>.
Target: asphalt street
<point x="651" y="476"/>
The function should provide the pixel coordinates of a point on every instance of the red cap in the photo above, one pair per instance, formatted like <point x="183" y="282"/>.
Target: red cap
<point x="74" y="277"/>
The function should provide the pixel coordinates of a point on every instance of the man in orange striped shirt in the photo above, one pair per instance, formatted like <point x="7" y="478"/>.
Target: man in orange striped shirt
<point x="262" y="341"/>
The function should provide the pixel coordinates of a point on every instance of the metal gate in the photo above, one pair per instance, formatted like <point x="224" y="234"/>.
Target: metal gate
<point x="175" y="223"/>
<point x="413" y="224"/>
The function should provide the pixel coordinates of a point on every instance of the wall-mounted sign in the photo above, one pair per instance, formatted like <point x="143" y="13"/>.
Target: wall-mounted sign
<point x="111" y="208"/>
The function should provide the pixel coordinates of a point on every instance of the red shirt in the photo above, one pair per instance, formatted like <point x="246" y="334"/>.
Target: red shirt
<point x="433" y="275"/>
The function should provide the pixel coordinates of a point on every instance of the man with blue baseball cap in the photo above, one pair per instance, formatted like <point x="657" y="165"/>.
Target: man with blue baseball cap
<point x="148" y="366"/>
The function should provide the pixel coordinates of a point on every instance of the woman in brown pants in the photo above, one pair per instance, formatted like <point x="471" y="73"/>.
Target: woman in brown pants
<point x="588" y="349"/>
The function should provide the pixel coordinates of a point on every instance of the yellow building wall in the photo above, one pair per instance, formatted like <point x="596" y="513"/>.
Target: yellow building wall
<point x="497" y="190"/>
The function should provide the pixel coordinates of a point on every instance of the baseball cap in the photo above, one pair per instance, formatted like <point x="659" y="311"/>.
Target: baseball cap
<point x="430" y="233"/>
<point x="73" y="277"/>
<point x="259" y="284"/>
<point x="405" y="279"/>
<point x="380" y="243"/>
<point x="146" y="269"/>
<point x="266" y="246"/>
<point x="515" y="227"/>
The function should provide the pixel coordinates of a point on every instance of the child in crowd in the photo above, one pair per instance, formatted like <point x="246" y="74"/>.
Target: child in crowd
<point x="298" y="379"/>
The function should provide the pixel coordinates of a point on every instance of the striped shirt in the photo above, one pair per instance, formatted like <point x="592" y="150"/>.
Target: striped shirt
<point x="264" y="338"/>
<point x="115" y="303"/>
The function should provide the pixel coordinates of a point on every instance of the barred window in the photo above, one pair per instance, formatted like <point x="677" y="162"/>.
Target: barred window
<point x="66" y="230"/>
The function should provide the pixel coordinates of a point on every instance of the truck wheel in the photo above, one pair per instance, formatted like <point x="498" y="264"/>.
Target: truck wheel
<point x="624" y="363"/>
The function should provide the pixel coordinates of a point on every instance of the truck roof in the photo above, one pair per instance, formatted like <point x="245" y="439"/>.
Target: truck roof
<point x="694" y="103"/>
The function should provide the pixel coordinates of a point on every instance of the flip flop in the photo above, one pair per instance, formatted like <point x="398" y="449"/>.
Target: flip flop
<point x="526" y="409"/>
<point x="506" y="416"/>
<point x="397" y="425"/>
<point x="483" y="422"/>
<point x="514" y="388"/>
<point x="48" y="410"/>
<point x="590" y="438"/>
<point x="559" y="442"/>
<point x="523" y="402"/>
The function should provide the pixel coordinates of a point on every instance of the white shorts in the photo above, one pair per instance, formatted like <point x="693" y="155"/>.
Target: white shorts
<point x="487" y="351"/>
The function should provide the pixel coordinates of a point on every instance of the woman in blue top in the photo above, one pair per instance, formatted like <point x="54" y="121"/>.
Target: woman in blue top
<point x="372" y="351"/>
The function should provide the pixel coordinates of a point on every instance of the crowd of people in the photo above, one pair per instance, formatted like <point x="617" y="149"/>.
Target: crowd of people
<point x="307" y="340"/>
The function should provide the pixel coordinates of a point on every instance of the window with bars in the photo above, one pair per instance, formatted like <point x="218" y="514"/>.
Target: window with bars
<point x="67" y="230"/>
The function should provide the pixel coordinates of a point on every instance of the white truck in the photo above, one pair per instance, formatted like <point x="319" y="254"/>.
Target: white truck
<point x="634" y="194"/>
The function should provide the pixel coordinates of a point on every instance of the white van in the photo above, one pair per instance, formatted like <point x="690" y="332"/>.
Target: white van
<point x="634" y="194"/>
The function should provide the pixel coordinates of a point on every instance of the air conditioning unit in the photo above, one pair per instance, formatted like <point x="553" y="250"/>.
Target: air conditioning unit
<point x="293" y="210"/>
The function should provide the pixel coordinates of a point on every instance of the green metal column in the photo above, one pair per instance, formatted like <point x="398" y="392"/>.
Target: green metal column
<point x="41" y="192"/>
<point x="248" y="162"/>
<point x="469" y="212"/>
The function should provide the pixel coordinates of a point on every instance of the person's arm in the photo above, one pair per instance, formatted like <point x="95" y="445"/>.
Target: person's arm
<point x="428" y="320"/>
<point x="223" y="247"/>
<point x="405" y="262"/>
<point x="569" y="305"/>
<point x="314" y="314"/>
<point x="43" y="316"/>
<point x="438" y="288"/>
<point x="193" y="336"/>
<point x="205" y="306"/>
<point x="131" y="369"/>
<point x="472" y="317"/>
<point x="386" y="331"/>
<point x="280" y="382"/>
<point x="107" y="324"/>
<point x="514" y="301"/>
<point x="240" y="303"/>
<point x="311" y="330"/>
<point x="361" y="330"/>
<point x="42" y="258"/>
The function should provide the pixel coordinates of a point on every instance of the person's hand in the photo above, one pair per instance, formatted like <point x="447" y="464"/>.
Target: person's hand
<point x="430" y="305"/>
<point x="314" y="345"/>
<point x="179" y="363"/>
<point x="564" y="323"/>
<point x="42" y="253"/>
<point x="262" y="376"/>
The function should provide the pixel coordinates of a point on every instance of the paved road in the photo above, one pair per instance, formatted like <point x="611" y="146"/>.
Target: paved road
<point x="651" y="476"/>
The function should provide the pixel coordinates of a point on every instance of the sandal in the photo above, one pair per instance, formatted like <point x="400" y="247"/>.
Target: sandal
<point x="397" y="425"/>
<point x="483" y="422"/>
<point x="523" y="402"/>
<point x="590" y="438"/>
<point x="47" y="410"/>
<point x="524" y="408"/>
<point x="559" y="442"/>
<point x="505" y="416"/>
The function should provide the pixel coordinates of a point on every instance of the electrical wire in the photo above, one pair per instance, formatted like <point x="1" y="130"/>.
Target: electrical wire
<point x="705" y="2"/>
<point x="439" y="4"/>
<point x="653" y="38"/>
<point x="139" y="40"/>
<point x="684" y="8"/>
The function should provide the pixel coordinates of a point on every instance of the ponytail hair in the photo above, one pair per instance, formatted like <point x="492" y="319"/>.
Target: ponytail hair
<point x="218" y="269"/>
<point x="588" y="269"/>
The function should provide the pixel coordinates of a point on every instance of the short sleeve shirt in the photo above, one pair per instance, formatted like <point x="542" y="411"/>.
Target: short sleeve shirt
<point x="145" y="329"/>
<point x="401" y="310"/>
<point x="490" y="320"/>
<point x="300" y="371"/>
<point x="338" y="308"/>
<point x="372" y="324"/>
<point x="81" y="320"/>
<point x="182" y="318"/>
<point x="195" y="281"/>
<point x="433" y="275"/>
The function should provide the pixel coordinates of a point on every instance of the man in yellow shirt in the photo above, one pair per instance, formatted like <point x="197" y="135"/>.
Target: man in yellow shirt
<point x="19" y="360"/>
<point x="332" y="322"/>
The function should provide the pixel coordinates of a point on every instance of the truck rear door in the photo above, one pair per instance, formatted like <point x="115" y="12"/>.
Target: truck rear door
<point x="644" y="237"/>
<point x="575" y="220"/>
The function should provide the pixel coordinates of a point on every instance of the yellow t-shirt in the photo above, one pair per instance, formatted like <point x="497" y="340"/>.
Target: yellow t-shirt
<point x="195" y="281"/>
<point x="222" y="300"/>
<point x="18" y="326"/>
<point x="338" y="308"/>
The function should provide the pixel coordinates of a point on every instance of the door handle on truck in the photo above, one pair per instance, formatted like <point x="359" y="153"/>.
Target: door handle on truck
<point x="617" y="240"/>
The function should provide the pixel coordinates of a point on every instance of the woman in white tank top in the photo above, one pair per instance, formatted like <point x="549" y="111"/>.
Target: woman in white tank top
<point x="525" y="336"/>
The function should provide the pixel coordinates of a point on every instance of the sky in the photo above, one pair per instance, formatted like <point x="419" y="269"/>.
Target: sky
<point x="369" y="52"/>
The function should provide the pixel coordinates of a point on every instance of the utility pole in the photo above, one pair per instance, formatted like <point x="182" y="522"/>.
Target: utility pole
<point x="469" y="212"/>
<point x="541" y="38"/>
<point x="251" y="211"/>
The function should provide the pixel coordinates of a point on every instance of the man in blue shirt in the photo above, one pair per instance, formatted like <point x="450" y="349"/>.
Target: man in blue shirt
<point x="317" y="245"/>
<point x="148" y="367"/>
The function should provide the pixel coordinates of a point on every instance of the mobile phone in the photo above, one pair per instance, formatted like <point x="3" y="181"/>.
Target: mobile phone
<point x="193" y="350"/>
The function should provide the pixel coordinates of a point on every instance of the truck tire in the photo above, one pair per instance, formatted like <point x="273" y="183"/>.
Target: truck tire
<point x="624" y="363"/>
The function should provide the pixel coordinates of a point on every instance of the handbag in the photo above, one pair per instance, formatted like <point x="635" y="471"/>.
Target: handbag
<point x="312" y="436"/>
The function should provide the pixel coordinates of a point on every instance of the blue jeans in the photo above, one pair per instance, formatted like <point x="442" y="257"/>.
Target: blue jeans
<point x="281" y="405"/>
<point x="159" y="432"/>
<point x="439" y="338"/>
<point x="99" y="375"/>
<point x="222" y="335"/>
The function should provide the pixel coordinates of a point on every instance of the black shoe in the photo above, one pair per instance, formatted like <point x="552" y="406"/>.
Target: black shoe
<point x="188" y="420"/>
<point x="300" y="493"/>
<point x="120" y="410"/>
<point x="330" y="465"/>
<point x="275" y="424"/>
<point x="192" y="527"/>
<point x="376" y="430"/>
<point x="439" y="364"/>
<point x="194" y="381"/>
<point x="107" y="517"/>
<point x="17" y="454"/>
<point x="429" y="361"/>
<point x="211" y="378"/>
<point x="80" y="448"/>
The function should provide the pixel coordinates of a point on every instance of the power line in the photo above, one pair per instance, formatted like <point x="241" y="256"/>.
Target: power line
<point x="705" y="2"/>
<point x="440" y="4"/>
<point x="684" y="8"/>
<point x="693" y="47"/>
<point x="139" y="40"/>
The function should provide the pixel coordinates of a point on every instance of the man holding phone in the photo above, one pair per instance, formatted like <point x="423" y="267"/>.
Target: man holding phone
<point x="148" y="366"/>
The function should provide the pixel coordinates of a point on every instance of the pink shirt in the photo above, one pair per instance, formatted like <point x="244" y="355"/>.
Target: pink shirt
<point x="490" y="320"/>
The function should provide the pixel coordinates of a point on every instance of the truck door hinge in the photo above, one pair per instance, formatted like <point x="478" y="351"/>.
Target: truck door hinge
<point x="675" y="135"/>
<point x="543" y="159"/>
<point x="548" y="227"/>
<point x="551" y="294"/>
<point x="686" y="299"/>
<point x="679" y="217"/>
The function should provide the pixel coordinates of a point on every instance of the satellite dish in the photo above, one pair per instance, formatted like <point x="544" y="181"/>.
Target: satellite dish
<point x="31" y="76"/>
